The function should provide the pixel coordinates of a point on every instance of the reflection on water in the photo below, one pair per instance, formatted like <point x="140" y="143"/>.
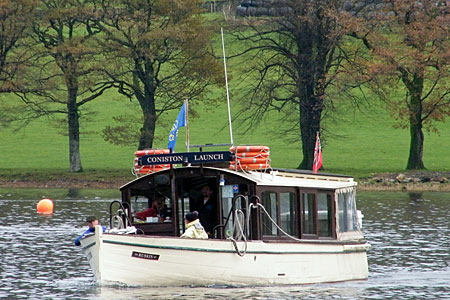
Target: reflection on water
<point x="409" y="259"/>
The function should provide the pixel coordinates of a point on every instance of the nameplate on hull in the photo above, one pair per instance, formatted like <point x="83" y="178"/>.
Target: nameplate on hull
<point x="144" y="255"/>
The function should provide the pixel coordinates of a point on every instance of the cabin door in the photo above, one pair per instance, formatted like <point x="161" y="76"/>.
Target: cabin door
<point x="200" y="194"/>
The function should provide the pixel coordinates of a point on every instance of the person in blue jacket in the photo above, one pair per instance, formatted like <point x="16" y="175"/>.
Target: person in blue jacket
<point x="92" y="222"/>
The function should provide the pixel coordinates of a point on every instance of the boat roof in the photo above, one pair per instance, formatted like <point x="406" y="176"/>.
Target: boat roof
<point x="299" y="178"/>
<point x="281" y="177"/>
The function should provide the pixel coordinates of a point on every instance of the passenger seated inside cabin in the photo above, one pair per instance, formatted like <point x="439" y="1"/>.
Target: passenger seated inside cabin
<point x="194" y="230"/>
<point x="158" y="209"/>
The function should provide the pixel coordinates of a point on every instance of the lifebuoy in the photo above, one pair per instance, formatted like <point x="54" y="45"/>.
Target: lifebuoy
<point x="252" y="154"/>
<point x="144" y="152"/>
<point x="240" y="167"/>
<point x="151" y="166"/>
<point x="252" y="160"/>
<point x="241" y="149"/>
<point x="148" y="171"/>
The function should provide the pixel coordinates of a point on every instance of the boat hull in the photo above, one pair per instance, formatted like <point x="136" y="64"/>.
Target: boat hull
<point x="173" y="261"/>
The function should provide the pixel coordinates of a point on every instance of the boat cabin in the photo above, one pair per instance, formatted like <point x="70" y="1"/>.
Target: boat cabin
<point x="272" y="205"/>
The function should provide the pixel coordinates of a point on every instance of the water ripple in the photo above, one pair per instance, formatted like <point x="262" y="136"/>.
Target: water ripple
<point x="409" y="258"/>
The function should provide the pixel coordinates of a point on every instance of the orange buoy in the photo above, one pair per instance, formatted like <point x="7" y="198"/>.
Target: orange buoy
<point x="45" y="206"/>
<point x="240" y="149"/>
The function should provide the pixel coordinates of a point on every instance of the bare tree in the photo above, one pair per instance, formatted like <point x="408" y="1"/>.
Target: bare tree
<point x="297" y="57"/>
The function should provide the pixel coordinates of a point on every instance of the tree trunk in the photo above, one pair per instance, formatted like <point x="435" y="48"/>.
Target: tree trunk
<point x="74" y="132"/>
<point x="310" y="116"/>
<point x="415" y="88"/>
<point x="149" y="125"/>
<point x="415" y="159"/>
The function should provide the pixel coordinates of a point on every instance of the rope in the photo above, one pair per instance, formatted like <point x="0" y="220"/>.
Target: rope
<point x="116" y="219"/>
<point x="240" y="234"/>
<point x="275" y="223"/>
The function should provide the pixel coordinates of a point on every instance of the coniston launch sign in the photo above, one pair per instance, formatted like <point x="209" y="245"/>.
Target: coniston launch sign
<point x="187" y="157"/>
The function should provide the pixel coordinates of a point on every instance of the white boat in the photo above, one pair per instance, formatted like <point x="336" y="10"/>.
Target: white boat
<point x="271" y="226"/>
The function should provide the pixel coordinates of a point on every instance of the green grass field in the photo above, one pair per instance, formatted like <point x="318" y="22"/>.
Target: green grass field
<point x="364" y="143"/>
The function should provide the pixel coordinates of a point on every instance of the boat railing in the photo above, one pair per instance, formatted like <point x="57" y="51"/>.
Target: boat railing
<point x="120" y="214"/>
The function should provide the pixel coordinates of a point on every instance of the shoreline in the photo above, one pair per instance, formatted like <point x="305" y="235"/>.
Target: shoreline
<point x="363" y="185"/>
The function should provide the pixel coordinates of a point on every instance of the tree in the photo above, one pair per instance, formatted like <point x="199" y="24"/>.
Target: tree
<point x="297" y="50"/>
<point x="66" y="72"/>
<point x="409" y="45"/>
<point x="158" y="53"/>
<point x="15" y="19"/>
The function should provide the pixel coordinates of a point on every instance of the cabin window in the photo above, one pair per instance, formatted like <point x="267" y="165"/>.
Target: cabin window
<point x="317" y="214"/>
<point x="234" y="194"/>
<point x="140" y="203"/>
<point x="308" y="213"/>
<point x="325" y="215"/>
<point x="347" y="210"/>
<point x="282" y="210"/>
<point x="269" y="200"/>
<point x="288" y="208"/>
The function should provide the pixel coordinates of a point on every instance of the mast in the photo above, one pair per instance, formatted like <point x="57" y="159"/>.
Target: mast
<point x="226" y="86"/>
<point x="187" y="123"/>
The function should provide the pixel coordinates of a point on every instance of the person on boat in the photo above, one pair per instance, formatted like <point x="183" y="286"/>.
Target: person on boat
<point x="91" y="222"/>
<point x="158" y="209"/>
<point x="206" y="209"/>
<point x="194" y="229"/>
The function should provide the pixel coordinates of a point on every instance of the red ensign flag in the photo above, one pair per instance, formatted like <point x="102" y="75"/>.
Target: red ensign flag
<point x="317" y="163"/>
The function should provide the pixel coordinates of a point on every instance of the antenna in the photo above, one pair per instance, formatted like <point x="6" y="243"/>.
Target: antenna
<point x="226" y="86"/>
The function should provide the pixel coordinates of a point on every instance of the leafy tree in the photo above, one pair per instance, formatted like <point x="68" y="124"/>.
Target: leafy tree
<point x="66" y="74"/>
<point x="159" y="53"/>
<point x="298" y="56"/>
<point x="15" y="18"/>
<point x="409" y="46"/>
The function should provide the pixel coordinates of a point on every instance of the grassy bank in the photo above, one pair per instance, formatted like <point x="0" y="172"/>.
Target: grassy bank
<point x="360" y="144"/>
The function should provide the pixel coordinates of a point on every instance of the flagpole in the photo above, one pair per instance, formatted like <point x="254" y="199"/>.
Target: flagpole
<point x="187" y="124"/>
<point x="226" y="86"/>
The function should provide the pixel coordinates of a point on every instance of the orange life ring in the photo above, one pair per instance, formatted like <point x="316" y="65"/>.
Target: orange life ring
<point x="144" y="152"/>
<point x="240" y="149"/>
<point x="240" y="167"/>
<point x="151" y="166"/>
<point x="252" y="154"/>
<point x="153" y="169"/>
<point x="148" y="171"/>
<point x="252" y="160"/>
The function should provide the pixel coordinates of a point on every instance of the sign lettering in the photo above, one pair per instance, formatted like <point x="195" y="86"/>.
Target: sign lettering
<point x="144" y="255"/>
<point x="187" y="157"/>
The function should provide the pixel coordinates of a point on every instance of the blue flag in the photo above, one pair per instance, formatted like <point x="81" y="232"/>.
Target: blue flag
<point x="179" y="122"/>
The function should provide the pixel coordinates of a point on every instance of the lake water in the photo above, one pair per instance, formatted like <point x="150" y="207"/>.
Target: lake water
<point x="409" y="258"/>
